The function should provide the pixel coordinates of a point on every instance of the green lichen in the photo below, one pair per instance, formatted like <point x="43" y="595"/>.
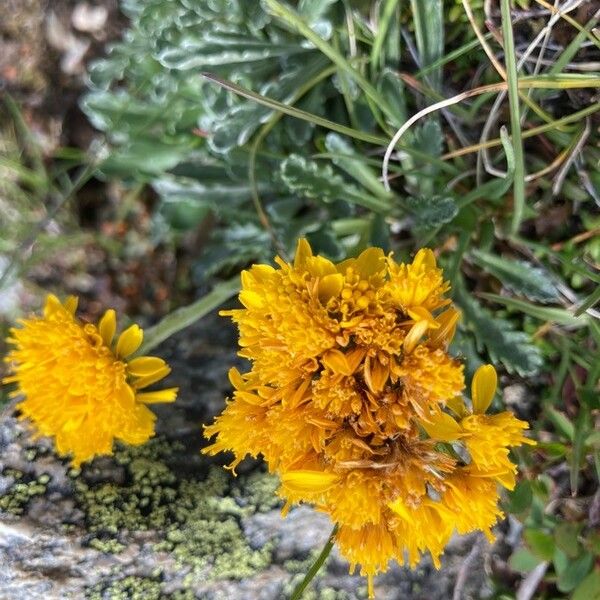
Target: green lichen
<point x="218" y="549"/>
<point x="145" y="502"/>
<point x="107" y="546"/>
<point x="196" y="521"/>
<point x="258" y="490"/>
<point x="128" y="588"/>
<point x="21" y="491"/>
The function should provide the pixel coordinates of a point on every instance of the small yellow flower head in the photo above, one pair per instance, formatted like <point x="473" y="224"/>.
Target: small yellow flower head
<point x="79" y="386"/>
<point x="486" y="438"/>
<point x="353" y="400"/>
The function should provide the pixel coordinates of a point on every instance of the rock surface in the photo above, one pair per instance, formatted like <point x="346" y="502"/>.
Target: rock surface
<point x="164" y="522"/>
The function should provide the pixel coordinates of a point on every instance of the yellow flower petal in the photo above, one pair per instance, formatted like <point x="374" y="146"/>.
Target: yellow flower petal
<point x="355" y="357"/>
<point x="251" y="299"/>
<point x="370" y="262"/>
<point x="129" y="341"/>
<point x="447" y="322"/>
<point x="52" y="305"/>
<point x="400" y="509"/>
<point x="249" y="397"/>
<point x="262" y="272"/>
<point x="73" y="424"/>
<point x="147" y="380"/>
<point x="483" y="388"/>
<point x="425" y="258"/>
<point x="236" y="379"/>
<point x="370" y="587"/>
<point x="246" y="279"/>
<point x="107" y="326"/>
<point x="303" y="253"/>
<point x="420" y="313"/>
<point x="376" y="374"/>
<point x="329" y="286"/>
<point x="336" y="361"/>
<point x="145" y="365"/>
<point x="126" y="395"/>
<point x="320" y="267"/>
<point x="457" y="406"/>
<point x="309" y="481"/>
<point x="507" y="479"/>
<point x="71" y="303"/>
<point x="167" y="395"/>
<point x="443" y="428"/>
<point x="417" y="331"/>
<point x="300" y="394"/>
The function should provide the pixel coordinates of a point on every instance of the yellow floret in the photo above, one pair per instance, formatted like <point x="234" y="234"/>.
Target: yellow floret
<point x="79" y="386"/>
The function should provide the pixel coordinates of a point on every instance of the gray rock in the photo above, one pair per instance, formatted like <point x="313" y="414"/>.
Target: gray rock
<point x="301" y="531"/>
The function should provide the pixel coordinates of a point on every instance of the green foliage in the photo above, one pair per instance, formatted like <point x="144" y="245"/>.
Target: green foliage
<point x="33" y="228"/>
<point x="589" y="588"/>
<point x="188" y="138"/>
<point x="285" y="140"/>
<point x="307" y="178"/>
<point x="432" y="212"/>
<point x="499" y="337"/>
<point x="519" y="276"/>
<point x="520" y="498"/>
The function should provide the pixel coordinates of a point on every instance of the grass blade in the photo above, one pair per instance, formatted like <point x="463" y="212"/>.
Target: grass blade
<point x="389" y="9"/>
<point x="544" y="313"/>
<point x="429" y="32"/>
<point x="589" y="302"/>
<point x="296" y="112"/>
<point x="515" y="117"/>
<point x="184" y="317"/>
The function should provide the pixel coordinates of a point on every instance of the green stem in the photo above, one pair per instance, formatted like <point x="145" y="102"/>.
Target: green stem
<point x="184" y="317"/>
<point x="316" y="566"/>
<point x="457" y="256"/>
<point x="515" y="118"/>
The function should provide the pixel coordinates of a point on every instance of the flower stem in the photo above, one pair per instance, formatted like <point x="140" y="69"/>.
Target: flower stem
<point x="185" y="316"/>
<point x="316" y="566"/>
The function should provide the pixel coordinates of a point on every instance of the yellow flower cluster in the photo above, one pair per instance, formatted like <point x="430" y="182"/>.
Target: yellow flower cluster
<point x="79" y="386"/>
<point x="353" y="399"/>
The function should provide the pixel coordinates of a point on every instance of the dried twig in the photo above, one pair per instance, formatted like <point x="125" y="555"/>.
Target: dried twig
<point x="463" y="573"/>
<point x="530" y="584"/>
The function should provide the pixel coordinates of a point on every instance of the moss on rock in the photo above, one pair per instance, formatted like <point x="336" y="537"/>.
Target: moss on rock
<point x="258" y="490"/>
<point x="21" y="489"/>
<point x="197" y="522"/>
<point x="128" y="588"/>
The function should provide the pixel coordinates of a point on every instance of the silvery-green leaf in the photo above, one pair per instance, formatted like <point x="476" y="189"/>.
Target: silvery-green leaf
<point x="431" y="212"/>
<point x="313" y="180"/>
<point x="498" y="336"/>
<point x="519" y="276"/>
